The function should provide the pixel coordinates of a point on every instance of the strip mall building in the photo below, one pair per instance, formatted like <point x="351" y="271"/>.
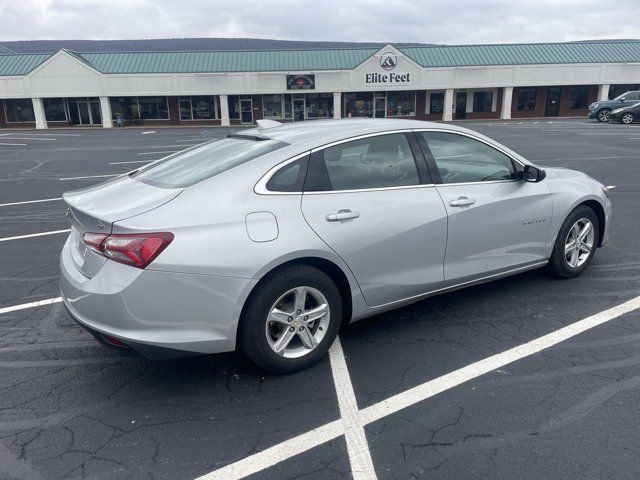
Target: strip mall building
<point x="239" y="87"/>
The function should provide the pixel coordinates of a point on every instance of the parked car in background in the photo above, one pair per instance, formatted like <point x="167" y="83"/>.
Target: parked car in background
<point x="272" y="238"/>
<point x="626" y="115"/>
<point x="601" y="110"/>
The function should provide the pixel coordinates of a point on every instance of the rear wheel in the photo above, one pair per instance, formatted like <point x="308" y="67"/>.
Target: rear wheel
<point x="603" y="115"/>
<point x="576" y="243"/>
<point x="627" y="118"/>
<point x="291" y="319"/>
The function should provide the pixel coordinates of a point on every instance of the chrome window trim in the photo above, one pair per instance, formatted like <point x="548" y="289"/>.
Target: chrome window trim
<point x="261" y="187"/>
<point x="481" y="140"/>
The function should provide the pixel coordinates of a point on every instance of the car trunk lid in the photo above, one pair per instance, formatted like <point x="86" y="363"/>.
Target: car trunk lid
<point x="95" y="209"/>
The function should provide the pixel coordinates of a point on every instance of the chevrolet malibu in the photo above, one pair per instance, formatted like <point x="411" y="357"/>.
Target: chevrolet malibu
<point x="270" y="239"/>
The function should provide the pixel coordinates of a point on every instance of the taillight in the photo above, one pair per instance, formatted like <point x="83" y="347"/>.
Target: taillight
<point x="137" y="250"/>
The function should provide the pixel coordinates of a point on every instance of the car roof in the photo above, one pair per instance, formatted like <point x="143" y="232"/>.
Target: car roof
<point x="313" y="133"/>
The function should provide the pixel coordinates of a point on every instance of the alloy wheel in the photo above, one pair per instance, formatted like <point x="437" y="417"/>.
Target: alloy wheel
<point x="603" y="115"/>
<point x="297" y="322"/>
<point x="627" y="118"/>
<point x="579" y="243"/>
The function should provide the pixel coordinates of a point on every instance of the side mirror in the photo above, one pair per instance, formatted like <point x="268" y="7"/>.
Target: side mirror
<point x="533" y="174"/>
<point x="623" y="99"/>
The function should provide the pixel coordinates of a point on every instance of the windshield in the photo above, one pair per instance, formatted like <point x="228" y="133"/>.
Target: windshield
<point x="198" y="164"/>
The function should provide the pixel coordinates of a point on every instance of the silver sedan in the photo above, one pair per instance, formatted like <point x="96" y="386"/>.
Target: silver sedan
<point x="271" y="238"/>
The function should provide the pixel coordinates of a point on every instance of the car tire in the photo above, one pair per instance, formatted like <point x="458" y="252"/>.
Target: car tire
<point x="570" y="260"/>
<point x="276" y="297"/>
<point x="603" y="115"/>
<point x="627" y="118"/>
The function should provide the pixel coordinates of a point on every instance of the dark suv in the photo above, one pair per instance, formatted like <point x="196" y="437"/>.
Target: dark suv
<point x="601" y="110"/>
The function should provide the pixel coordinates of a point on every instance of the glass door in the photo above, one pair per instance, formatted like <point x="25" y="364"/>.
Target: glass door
<point x="246" y="111"/>
<point x="552" y="108"/>
<point x="94" y="112"/>
<point x="298" y="110"/>
<point x="380" y="104"/>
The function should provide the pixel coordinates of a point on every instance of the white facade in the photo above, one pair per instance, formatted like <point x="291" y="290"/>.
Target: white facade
<point x="64" y="75"/>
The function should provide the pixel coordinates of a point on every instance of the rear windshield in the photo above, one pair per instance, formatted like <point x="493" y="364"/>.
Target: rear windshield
<point x="195" y="165"/>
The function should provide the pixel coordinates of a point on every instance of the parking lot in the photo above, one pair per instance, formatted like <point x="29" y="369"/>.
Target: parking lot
<point x="409" y="392"/>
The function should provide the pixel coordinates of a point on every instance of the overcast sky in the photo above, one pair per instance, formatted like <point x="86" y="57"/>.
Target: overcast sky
<point x="438" y="21"/>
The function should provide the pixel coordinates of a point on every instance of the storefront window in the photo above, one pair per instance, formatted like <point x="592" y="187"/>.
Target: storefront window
<point x="198" y="108"/>
<point x="234" y="107"/>
<point x="358" y="104"/>
<point x="272" y="106"/>
<point x="319" y="105"/>
<point x="436" y="103"/>
<point x="153" y="108"/>
<point x="526" y="99"/>
<point x="482" y="101"/>
<point x="579" y="97"/>
<point x="401" y="104"/>
<point x="287" y="106"/>
<point x="20" y="110"/>
<point x="54" y="110"/>
<point x="125" y="106"/>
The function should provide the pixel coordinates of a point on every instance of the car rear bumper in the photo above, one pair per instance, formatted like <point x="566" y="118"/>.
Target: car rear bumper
<point x="158" y="314"/>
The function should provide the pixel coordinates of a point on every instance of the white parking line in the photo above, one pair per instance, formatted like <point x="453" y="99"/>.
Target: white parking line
<point x="19" y="237"/>
<point x="357" y="446"/>
<point x="92" y="176"/>
<point x="30" y="201"/>
<point x="42" y="134"/>
<point x="24" y="306"/>
<point x="175" y="146"/>
<point x="156" y="153"/>
<point x="306" y="441"/>
<point x="15" y="144"/>
<point x="35" y="138"/>
<point x="132" y="161"/>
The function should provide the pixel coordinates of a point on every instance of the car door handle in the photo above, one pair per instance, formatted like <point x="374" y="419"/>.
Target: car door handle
<point x="462" y="202"/>
<point x="342" y="215"/>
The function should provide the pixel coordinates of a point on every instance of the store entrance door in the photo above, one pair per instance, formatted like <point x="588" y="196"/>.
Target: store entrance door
<point x="380" y="110"/>
<point x="461" y="105"/>
<point x="552" y="108"/>
<point x="84" y="111"/>
<point x="246" y="111"/>
<point x="298" y="110"/>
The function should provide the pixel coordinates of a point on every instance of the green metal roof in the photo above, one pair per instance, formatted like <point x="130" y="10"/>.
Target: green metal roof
<point x="525" y="54"/>
<point x="20" y="64"/>
<point x="335" y="59"/>
<point x="5" y="51"/>
<point x="227" y="61"/>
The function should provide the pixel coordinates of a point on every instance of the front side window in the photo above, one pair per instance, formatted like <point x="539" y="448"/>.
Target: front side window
<point x="632" y="96"/>
<point x="382" y="161"/>
<point x="462" y="159"/>
<point x="482" y="101"/>
<point x="193" y="166"/>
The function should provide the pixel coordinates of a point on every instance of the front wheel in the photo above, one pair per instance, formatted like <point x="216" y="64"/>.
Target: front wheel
<point x="603" y="115"/>
<point x="576" y="243"/>
<point x="291" y="319"/>
<point x="627" y="118"/>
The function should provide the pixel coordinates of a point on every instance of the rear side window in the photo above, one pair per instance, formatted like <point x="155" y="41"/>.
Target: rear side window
<point x="462" y="159"/>
<point x="198" y="164"/>
<point x="289" y="178"/>
<point x="382" y="161"/>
